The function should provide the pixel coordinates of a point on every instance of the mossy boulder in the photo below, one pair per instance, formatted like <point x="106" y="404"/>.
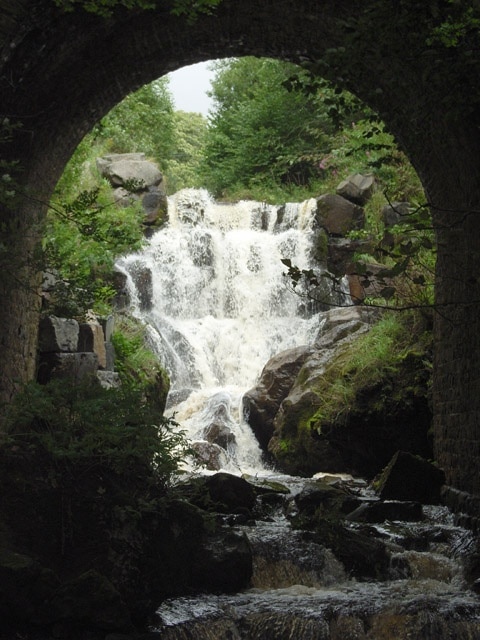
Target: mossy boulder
<point x="352" y="412"/>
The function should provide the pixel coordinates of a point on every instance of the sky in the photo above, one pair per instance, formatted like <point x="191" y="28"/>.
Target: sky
<point x="188" y="87"/>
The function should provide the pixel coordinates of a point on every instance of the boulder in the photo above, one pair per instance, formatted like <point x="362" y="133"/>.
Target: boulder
<point x="394" y="213"/>
<point x="90" y="599"/>
<point x="337" y="215"/>
<point x="25" y="587"/>
<point x="322" y="499"/>
<point x="58" y="335"/>
<point x="261" y="403"/>
<point x="155" y="206"/>
<point x="109" y="379"/>
<point x="209" y="455"/>
<point x="362" y="555"/>
<point x="410" y="477"/>
<point x="108" y="326"/>
<point x="230" y="492"/>
<point x="359" y="437"/>
<point x="220" y="434"/>
<point x="124" y="198"/>
<point x="340" y="324"/>
<point x="357" y="188"/>
<point x="142" y="278"/>
<point x="380" y="511"/>
<point x="119" y="169"/>
<point x="341" y="253"/>
<point x="224" y="563"/>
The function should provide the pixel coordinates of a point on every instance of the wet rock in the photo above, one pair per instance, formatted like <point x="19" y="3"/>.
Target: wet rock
<point x="390" y="510"/>
<point x="321" y="498"/>
<point x="209" y="455"/>
<point x="219" y="434"/>
<point x="155" y="206"/>
<point x="230" y="492"/>
<point x="362" y="555"/>
<point x="224" y="563"/>
<point x="409" y="477"/>
<point x="261" y="403"/>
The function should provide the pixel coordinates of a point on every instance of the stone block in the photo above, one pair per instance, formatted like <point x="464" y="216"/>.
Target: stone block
<point x="110" y="356"/>
<point x="108" y="325"/>
<point x="91" y="338"/>
<point x="73" y="366"/>
<point x="58" y="335"/>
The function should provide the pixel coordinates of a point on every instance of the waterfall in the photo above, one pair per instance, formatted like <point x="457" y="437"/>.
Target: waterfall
<point x="221" y="307"/>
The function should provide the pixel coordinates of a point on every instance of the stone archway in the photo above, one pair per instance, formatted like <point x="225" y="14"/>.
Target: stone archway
<point x="60" y="73"/>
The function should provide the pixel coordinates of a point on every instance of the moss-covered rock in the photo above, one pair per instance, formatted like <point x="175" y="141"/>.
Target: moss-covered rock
<point x="352" y="412"/>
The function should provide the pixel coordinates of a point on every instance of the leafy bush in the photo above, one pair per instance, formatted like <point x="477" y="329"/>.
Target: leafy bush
<point x="82" y="425"/>
<point x="81" y="241"/>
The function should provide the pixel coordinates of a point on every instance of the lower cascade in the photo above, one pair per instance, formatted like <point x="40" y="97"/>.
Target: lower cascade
<point x="211" y="290"/>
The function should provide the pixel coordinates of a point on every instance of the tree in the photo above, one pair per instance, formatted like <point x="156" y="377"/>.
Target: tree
<point x="186" y="155"/>
<point x="260" y="131"/>
<point x="143" y="121"/>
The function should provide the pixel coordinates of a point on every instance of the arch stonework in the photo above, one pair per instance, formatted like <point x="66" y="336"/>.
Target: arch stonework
<point x="61" y="72"/>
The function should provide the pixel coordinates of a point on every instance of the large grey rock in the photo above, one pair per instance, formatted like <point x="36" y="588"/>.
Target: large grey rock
<point x="339" y="324"/>
<point x="357" y="188"/>
<point x="155" y="206"/>
<point x="395" y="212"/>
<point x="261" y="403"/>
<point x="338" y="216"/>
<point x="219" y="433"/>
<point x="209" y="455"/>
<point x="58" y="335"/>
<point x="121" y="168"/>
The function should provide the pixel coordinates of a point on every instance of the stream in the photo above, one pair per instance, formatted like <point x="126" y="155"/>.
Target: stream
<point x="217" y="308"/>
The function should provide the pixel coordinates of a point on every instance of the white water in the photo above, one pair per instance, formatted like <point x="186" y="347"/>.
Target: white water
<point x="221" y="306"/>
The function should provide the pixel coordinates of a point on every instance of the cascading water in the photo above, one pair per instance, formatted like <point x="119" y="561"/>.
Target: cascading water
<point x="220" y="307"/>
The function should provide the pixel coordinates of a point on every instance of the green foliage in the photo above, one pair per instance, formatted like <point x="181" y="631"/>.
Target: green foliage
<point x="81" y="241"/>
<point x="83" y="424"/>
<point x="184" y="162"/>
<point x="259" y="131"/>
<point x="135" y="363"/>
<point x="189" y="8"/>
<point x="142" y="122"/>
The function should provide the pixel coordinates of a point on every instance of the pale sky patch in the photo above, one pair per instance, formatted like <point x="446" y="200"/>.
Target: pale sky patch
<point x="188" y="87"/>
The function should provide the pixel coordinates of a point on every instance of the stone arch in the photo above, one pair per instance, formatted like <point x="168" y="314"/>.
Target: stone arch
<point x="61" y="72"/>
